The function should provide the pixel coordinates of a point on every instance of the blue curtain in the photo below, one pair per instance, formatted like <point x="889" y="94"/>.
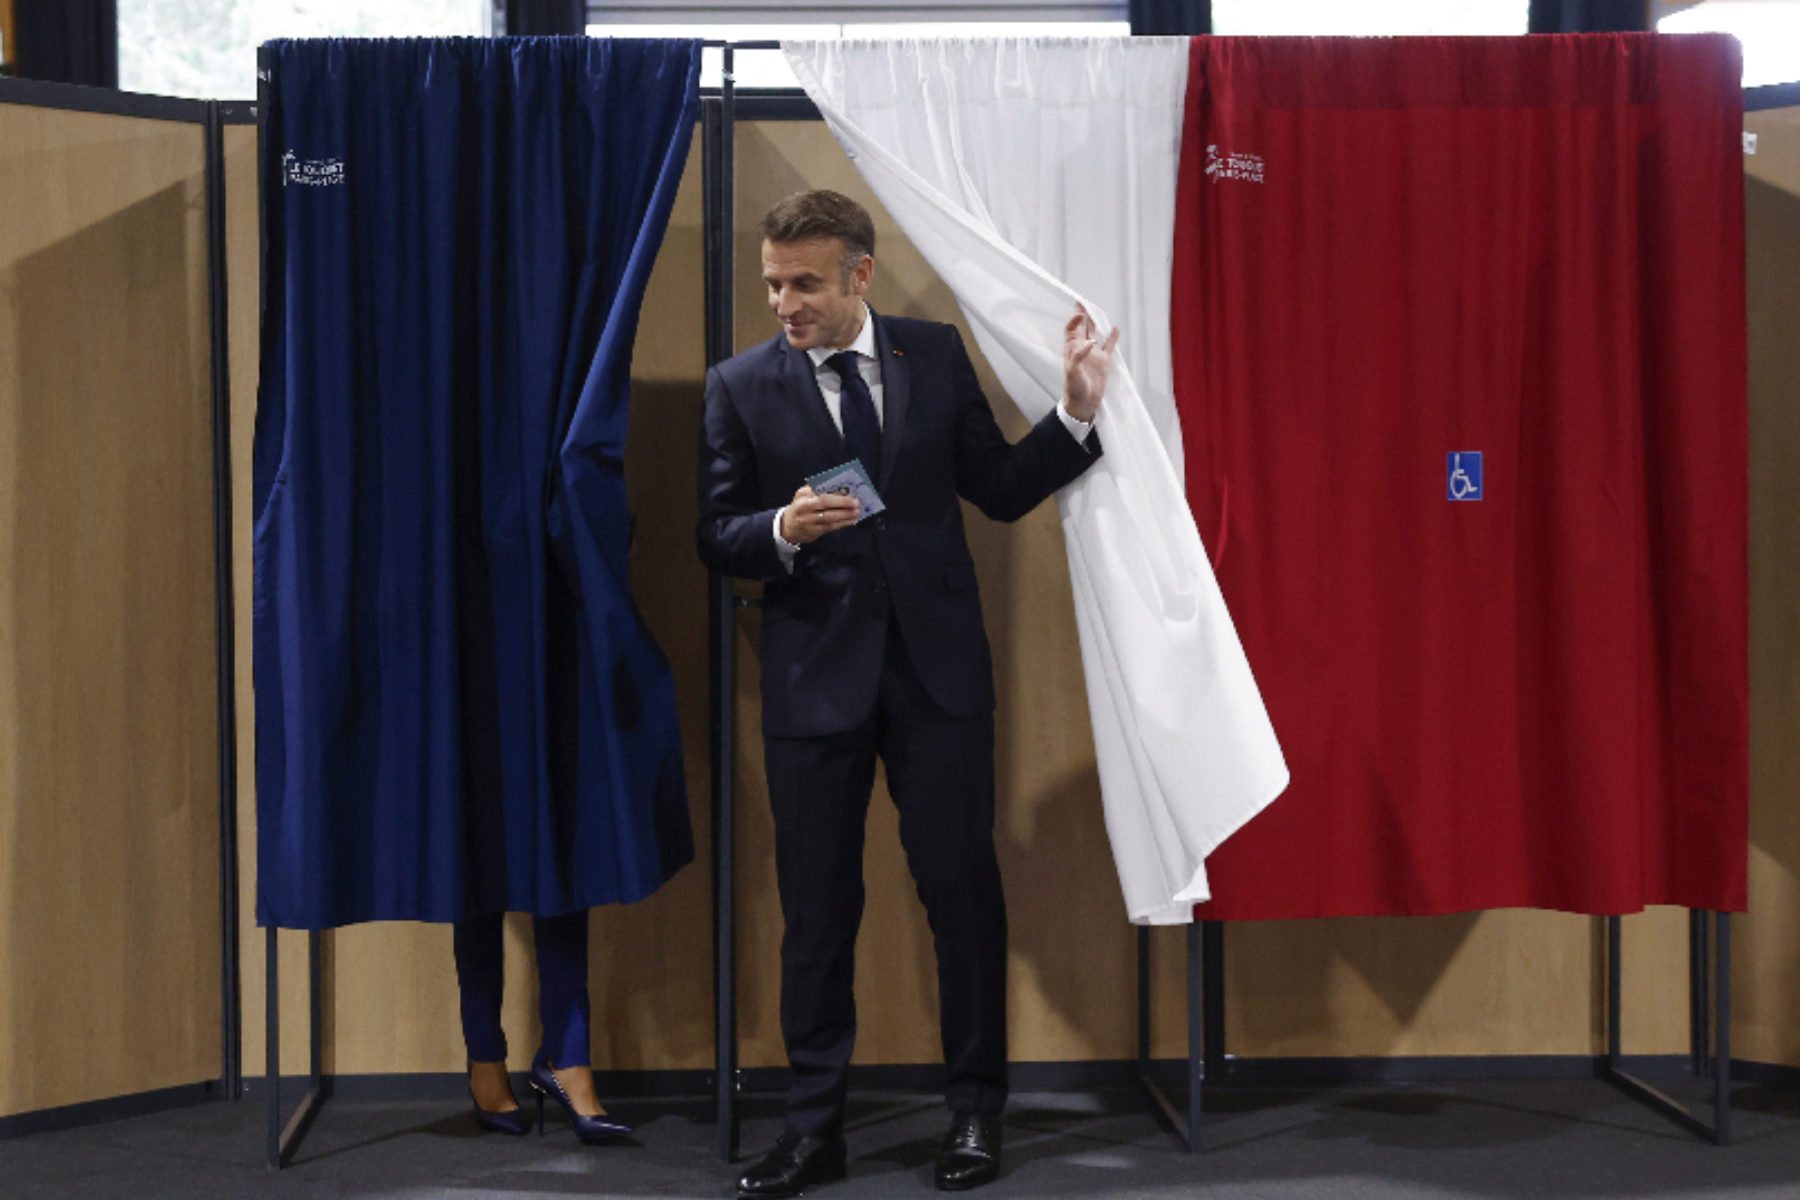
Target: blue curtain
<point x="459" y="708"/>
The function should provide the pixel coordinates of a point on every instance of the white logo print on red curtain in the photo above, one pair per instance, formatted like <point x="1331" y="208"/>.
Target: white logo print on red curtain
<point x="1248" y="167"/>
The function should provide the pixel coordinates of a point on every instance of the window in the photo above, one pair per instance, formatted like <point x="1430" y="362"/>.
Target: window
<point x="1376" y="18"/>
<point x="206" y="49"/>
<point x="1768" y="29"/>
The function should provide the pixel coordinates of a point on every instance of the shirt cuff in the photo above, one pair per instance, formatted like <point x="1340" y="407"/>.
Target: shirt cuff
<point x="784" y="548"/>
<point x="1078" y="430"/>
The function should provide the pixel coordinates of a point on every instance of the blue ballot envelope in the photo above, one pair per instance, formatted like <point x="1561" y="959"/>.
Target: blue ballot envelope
<point x="849" y="480"/>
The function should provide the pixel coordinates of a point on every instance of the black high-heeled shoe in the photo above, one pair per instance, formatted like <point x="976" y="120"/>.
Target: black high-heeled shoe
<point x="588" y="1129"/>
<point x="512" y="1123"/>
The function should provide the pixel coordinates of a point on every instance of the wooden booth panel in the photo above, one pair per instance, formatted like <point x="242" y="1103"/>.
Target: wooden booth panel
<point x="390" y="999"/>
<point x="1504" y="982"/>
<point x="1767" y="954"/>
<point x="109" y="918"/>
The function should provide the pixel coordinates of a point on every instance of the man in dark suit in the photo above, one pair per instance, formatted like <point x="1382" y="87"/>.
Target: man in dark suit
<point x="873" y="644"/>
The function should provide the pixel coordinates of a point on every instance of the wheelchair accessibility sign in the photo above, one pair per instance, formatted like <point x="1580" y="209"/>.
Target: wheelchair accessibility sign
<point x="1464" y="475"/>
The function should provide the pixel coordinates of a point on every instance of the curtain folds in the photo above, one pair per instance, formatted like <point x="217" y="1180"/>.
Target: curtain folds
<point x="1035" y="175"/>
<point x="1455" y="392"/>
<point x="65" y="41"/>
<point x="1464" y="378"/>
<point x="459" y="708"/>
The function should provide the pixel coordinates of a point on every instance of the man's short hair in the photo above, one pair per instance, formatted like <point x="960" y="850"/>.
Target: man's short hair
<point x="822" y="214"/>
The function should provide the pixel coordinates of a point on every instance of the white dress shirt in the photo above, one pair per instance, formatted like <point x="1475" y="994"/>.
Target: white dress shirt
<point x="831" y="386"/>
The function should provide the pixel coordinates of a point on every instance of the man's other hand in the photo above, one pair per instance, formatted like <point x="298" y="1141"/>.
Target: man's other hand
<point x="811" y="516"/>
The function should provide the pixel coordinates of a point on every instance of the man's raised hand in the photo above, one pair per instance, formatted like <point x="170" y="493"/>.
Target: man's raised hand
<point x="1086" y="364"/>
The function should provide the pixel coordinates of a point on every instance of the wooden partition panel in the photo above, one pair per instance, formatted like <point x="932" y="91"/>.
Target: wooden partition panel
<point x="1767" y="978"/>
<point x="109" y="902"/>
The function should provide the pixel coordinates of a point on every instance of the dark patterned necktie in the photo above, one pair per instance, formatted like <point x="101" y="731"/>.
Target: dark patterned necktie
<point x="856" y="408"/>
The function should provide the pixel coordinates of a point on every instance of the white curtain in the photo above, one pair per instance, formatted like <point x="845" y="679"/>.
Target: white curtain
<point x="1036" y="174"/>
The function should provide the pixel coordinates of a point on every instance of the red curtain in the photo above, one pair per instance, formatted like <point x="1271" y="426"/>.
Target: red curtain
<point x="1512" y="680"/>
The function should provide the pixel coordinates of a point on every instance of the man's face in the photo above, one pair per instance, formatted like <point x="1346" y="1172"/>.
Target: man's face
<point x="809" y="294"/>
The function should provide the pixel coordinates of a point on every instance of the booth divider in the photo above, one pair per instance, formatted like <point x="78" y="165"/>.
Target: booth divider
<point x="211" y="117"/>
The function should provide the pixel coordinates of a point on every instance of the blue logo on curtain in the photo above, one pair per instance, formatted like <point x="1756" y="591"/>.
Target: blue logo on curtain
<point x="1464" y="475"/>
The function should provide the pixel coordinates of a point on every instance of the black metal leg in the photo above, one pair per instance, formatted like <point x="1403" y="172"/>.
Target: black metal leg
<point x="1697" y="999"/>
<point x="272" y="1046"/>
<point x="283" y="1141"/>
<point x="729" y="1139"/>
<point x="1719" y="1131"/>
<point x="1699" y="966"/>
<point x="718" y="128"/>
<point x="1199" y="1019"/>
<point x="315" y="973"/>
<point x="231" y="1075"/>
<point x="724" y="886"/>
<point x="1722" y="1024"/>
<point x="1615" y="957"/>
<point x="1213" y="964"/>
<point x="1143" y="1000"/>
<point x="1204" y="968"/>
<point x="1166" y="1110"/>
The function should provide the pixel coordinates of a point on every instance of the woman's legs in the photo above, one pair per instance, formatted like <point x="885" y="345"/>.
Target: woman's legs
<point x="562" y="965"/>
<point x="563" y="1006"/>
<point x="562" y="962"/>
<point x="479" y="944"/>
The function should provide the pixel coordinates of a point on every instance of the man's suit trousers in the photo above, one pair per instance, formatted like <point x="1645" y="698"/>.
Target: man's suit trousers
<point x="940" y="772"/>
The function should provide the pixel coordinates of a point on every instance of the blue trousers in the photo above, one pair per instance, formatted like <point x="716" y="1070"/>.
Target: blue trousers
<point x="562" y="964"/>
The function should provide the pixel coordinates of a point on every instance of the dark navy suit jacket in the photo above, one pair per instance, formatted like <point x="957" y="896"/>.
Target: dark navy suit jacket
<point x="825" y="625"/>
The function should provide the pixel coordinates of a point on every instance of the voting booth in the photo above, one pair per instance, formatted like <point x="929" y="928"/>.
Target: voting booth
<point x="129" y="280"/>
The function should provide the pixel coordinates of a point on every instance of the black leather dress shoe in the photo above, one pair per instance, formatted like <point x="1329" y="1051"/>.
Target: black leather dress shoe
<point x="971" y="1153"/>
<point x="795" y="1164"/>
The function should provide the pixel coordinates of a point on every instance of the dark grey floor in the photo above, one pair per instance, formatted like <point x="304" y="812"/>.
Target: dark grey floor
<point x="1467" y="1140"/>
